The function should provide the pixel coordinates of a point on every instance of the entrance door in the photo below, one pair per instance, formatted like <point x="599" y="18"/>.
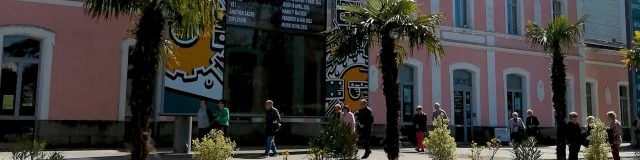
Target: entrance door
<point x="463" y="116"/>
<point x="407" y="109"/>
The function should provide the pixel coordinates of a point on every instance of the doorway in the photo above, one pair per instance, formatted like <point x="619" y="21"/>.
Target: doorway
<point x="407" y="108"/>
<point x="463" y="106"/>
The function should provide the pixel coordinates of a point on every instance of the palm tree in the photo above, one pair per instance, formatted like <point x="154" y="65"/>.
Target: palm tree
<point x="191" y="16"/>
<point x="388" y="23"/>
<point x="555" y="39"/>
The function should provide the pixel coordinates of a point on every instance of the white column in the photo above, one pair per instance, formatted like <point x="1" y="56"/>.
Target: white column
<point x="537" y="13"/>
<point x="491" y="64"/>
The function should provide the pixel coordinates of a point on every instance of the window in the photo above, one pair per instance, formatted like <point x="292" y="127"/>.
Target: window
<point x="462" y="13"/>
<point x="19" y="76"/>
<point x="589" y="99"/>
<point x="512" y="17"/>
<point x="287" y="68"/>
<point x="557" y="9"/>
<point x="624" y="105"/>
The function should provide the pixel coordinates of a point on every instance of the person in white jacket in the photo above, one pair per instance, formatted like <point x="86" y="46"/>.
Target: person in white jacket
<point x="516" y="128"/>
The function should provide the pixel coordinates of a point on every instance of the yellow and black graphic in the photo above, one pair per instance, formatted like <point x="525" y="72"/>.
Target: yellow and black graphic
<point x="197" y="65"/>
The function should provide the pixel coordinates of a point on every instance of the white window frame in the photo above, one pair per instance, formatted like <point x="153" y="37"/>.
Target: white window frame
<point x="124" y="69"/>
<point x="469" y="11"/>
<point x="417" y="67"/>
<point x="475" y="93"/>
<point x="594" y="98"/>
<point x="519" y="19"/>
<point x="628" y="99"/>
<point x="563" y="7"/>
<point x="47" y="41"/>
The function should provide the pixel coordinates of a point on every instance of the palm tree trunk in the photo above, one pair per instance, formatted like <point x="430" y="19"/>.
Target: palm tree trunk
<point x="559" y="88"/>
<point x="149" y="35"/>
<point x="390" y="89"/>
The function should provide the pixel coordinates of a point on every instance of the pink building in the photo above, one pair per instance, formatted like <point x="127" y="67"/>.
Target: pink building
<point x="71" y="85"/>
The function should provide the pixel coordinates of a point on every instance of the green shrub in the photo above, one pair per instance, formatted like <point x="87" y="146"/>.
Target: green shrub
<point x="476" y="151"/>
<point x="335" y="139"/>
<point x="494" y="146"/>
<point x="33" y="150"/>
<point x="526" y="150"/>
<point x="598" y="146"/>
<point x="214" y="146"/>
<point x="439" y="144"/>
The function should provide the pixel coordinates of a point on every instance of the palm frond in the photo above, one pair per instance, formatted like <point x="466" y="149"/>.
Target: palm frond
<point x="346" y="41"/>
<point x="112" y="8"/>
<point x="194" y="17"/>
<point x="557" y="35"/>
<point x="421" y="34"/>
<point x="536" y="35"/>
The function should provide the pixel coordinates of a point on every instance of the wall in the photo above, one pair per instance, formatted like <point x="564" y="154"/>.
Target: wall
<point x="85" y="75"/>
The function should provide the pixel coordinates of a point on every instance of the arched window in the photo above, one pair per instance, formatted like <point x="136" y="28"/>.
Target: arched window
<point x="19" y="75"/>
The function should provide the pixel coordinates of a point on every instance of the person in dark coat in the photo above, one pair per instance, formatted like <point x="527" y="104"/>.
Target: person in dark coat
<point x="272" y="120"/>
<point x="420" y="122"/>
<point x="365" y="123"/>
<point x="587" y="132"/>
<point x="573" y="133"/>
<point x="532" y="125"/>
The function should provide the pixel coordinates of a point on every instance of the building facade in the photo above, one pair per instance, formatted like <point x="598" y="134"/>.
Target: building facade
<point x="73" y="71"/>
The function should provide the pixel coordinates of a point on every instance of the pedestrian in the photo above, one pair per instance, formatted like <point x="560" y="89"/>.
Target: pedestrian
<point x="587" y="132"/>
<point x="437" y="111"/>
<point x="337" y="112"/>
<point x="365" y="123"/>
<point x="420" y="122"/>
<point x="517" y="128"/>
<point x="636" y="126"/>
<point x="616" y="137"/>
<point x="222" y="117"/>
<point x="573" y="133"/>
<point x="348" y="119"/>
<point x="532" y="125"/>
<point x="204" y="117"/>
<point x="272" y="120"/>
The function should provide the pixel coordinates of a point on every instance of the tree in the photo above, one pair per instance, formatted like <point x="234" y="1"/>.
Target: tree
<point x="554" y="39"/>
<point x="390" y="23"/>
<point x="192" y="17"/>
<point x="632" y="56"/>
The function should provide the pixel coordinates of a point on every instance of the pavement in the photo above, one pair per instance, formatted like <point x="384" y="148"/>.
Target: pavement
<point x="299" y="153"/>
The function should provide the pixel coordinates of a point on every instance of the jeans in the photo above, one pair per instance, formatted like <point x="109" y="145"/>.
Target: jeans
<point x="420" y="137"/>
<point x="271" y="145"/>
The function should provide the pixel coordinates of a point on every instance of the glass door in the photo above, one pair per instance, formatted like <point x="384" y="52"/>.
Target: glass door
<point x="514" y="104"/>
<point x="407" y="104"/>
<point x="463" y="116"/>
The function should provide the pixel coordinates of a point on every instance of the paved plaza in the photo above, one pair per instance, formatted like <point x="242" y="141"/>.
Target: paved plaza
<point x="297" y="154"/>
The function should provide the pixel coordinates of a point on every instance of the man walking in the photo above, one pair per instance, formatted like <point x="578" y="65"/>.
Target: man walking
<point x="437" y="112"/>
<point x="365" y="123"/>
<point x="272" y="126"/>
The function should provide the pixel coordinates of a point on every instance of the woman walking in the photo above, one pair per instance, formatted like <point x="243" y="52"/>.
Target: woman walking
<point x="587" y="132"/>
<point x="420" y="122"/>
<point x="616" y="129"/>
<point x="516" y="128"/>
<point x="222" y="117"/>
<point x="532" y="125"/>
<point x="573" y="133"/>
<point x="204" y="120"/>
<point x="348" y="119"/>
